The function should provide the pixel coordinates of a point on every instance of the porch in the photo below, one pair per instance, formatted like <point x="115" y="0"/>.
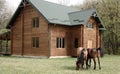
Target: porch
<point x="5" y="48"/>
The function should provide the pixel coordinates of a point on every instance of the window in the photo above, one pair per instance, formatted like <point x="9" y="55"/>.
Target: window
<point x="89" y="25"/>
<point x="60" y="42"/>
<point x="35" y="22"/>
<point x="76" y="43"/>
<point x="35" y="42"/>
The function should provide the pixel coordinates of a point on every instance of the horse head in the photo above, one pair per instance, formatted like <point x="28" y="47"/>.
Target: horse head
<point x="101" y="51"/>
<point x="78" y="64"/>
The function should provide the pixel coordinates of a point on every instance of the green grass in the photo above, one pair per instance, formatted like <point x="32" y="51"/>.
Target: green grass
<point x="13" y="65"/>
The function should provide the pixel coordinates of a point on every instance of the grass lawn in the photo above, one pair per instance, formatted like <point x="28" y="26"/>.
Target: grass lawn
<point x="13" y="65"/>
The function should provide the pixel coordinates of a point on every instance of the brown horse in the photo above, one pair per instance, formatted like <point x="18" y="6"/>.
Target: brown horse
<point x="92" y="54"/>
<point x="81" y="57"/>
<point x="88" y="54"/>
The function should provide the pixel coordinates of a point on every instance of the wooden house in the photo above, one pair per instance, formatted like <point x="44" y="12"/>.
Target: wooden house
<point x="41" y="28"/>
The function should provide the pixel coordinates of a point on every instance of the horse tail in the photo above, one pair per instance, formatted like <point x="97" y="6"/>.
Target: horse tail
<point x="101" y="52"/>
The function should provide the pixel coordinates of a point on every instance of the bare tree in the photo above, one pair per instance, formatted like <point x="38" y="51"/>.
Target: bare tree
<point x="2" y="2"/>
<point x="5" y="13"/>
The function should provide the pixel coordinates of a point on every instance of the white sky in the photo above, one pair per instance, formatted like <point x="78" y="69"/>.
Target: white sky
<point x="14" y="3"/>
<point x="71" y="2"/>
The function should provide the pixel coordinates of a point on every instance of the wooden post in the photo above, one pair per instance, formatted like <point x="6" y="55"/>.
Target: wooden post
<point x="6" y="45"/>
<point x="11" y="39"/>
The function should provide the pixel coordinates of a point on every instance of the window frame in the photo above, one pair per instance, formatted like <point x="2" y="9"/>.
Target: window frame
<point x="35" y="22"/>
<point x="76" y="42"/>
<point x="60" y="42"/>
<point x="35" y="42"/>
<point x="90" y="25"/>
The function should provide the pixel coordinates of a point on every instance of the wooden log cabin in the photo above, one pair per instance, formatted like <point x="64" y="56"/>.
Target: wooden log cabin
<point x="45" y="29"/>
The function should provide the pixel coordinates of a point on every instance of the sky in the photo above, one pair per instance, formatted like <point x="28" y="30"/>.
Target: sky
<point x="15" y="3"/>
<point x="71" y="2"/>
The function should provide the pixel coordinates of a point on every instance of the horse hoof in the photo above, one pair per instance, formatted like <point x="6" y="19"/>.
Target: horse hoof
<point x="89" y="66"/>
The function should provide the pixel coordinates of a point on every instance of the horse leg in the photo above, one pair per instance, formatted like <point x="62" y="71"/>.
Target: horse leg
<point x="82" y="65"/>
<point x="87" y="63"/>
<point x="99" y="63"/>
<point x="94" y="63"/>
<point x="77" y="66"/>
<point x="90" y="62"/>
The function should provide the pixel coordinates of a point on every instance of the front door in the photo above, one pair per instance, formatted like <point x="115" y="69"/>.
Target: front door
<point x="89" y="44"/>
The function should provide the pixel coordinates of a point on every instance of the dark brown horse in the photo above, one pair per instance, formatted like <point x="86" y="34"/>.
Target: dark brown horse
<point x="81" y="57"/>
<point x="93" y="54"/>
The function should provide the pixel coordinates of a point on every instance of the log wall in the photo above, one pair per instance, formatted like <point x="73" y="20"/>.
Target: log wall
<point x="91" y="35"/>
<point x="23" y="32"/>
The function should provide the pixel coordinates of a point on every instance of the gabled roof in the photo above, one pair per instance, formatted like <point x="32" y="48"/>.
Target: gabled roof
<point x="54" y="13"/>
<point x="82" y="17"/>
<point x="57" y="14"/>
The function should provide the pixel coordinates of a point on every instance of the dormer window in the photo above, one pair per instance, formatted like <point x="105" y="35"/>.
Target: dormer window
<point x="89" y="25"/>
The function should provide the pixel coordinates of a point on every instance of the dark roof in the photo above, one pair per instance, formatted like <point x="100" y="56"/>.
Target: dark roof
<point x="54" y="13"/>
<point x="58" y="14"/>
<point x="82" y="17"/>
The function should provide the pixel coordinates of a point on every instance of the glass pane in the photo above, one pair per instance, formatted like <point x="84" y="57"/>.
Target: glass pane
<point x="33" y="42"/>
<point x="37" y="42"/>
<point x="60" y="42"/>
<point x="63" y="43"/>
<point x="57" y="43"/>
<point x="89" y="25"/>
<point x="35" y="22"/>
